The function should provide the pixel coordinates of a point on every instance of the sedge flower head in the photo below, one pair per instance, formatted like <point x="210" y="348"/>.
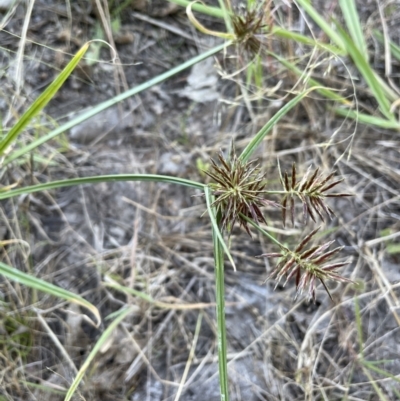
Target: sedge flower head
<point x="307" y="266"/>
<point x="247" y="29"/>
<point x="239" y="190"/>
<point x="311" y="190"/>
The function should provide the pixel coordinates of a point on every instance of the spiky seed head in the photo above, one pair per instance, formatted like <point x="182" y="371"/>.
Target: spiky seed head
<point x="246" y="28"/>
<point x="307" y="266"/>
<point x="312" y="192"/>
<point x="239" y="189"/>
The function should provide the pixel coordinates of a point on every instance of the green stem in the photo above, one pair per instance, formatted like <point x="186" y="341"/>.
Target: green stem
<point x="262" y="231"/>
<point x="275" y="192"/>
<point x="220" y="309"/>
<point x="208" y="10"/>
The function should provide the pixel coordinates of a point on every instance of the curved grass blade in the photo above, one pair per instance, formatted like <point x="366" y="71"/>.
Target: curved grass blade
<point x="41" y="285"/>
<point x="100" y="342"/>
<point x="42" y="100"/>
<point x="98" y="179"/>
<point x="111" y="102"/>
<point x="251" y="147"/>
<point x="216" y="231"/>
<point x="367" y="119"/>
<point x="203" y="29"/>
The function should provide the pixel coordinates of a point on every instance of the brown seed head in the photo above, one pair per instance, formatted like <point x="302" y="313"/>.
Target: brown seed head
<point x="246" y="28"/>
<point x="239" y="188"/>
<point x="307" y="266"/>
<point x="312" y="191"/>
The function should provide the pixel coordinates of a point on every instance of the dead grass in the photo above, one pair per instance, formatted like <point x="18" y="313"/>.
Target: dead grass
<point x="151" y="238"/>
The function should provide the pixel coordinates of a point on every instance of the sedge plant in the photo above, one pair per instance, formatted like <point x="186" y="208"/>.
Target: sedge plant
<point x="253" y="25"/>
<point x="237" y="194"/>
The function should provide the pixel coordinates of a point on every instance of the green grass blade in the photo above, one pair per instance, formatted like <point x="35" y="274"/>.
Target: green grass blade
<point x="100" y="342"/>
<point x="163" y="305"/>
<point x="226" y="15"/>
<point x="207" y="10"/>
<point x="41" y="101"/>
<point x="251" y="147"/>
<point x="396" y="392"/>
<point x="130" y="291"/>
<point x="51" y="289"/>
<point x="262" y="231"/>
<point x="111" y="102"/>
<point x="215" y="227"/>
<point x="393" y="47"/>
<point x="367" y="119"/>
<point x="321" y="22"/>
<point x="378" y="390"/>
<point x="297" y="37"/>
<point x="371" y="366"/>
<point x="41" y="387"/>
<point x="220" y="310"/>
<point x="100" y="178"/>
<point x="352" y="19"/>
<point x="369" y="75"/>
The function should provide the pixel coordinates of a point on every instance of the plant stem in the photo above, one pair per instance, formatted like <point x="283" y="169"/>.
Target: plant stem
<point x="275" y="192"/>
<point x="262" y="231"/>
<point x="220" y="309"/>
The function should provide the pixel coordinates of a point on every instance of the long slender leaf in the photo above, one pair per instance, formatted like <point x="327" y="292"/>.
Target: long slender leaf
<point x="42" y="100"/>
<point x="393" y="47"/>
<point x="111" y="102"/>
<point x="366" y="119"/>
<point x="41" y="285"/>
<point x="198" y="6"/>
<point x="251" y="147"/>
<point x="297" y="37"/>
<point x="379" y="392"/>
<point x="150" y="300"/>
<point x="352" y="18"/>
<point x="371" y="366"/>
<point x="100" y="178"/>
<point x="368" y="74"/>
<point x="100" y="342"/>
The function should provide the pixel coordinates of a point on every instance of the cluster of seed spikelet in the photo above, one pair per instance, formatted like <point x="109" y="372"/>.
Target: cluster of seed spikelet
<point x="239" y="189"/>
